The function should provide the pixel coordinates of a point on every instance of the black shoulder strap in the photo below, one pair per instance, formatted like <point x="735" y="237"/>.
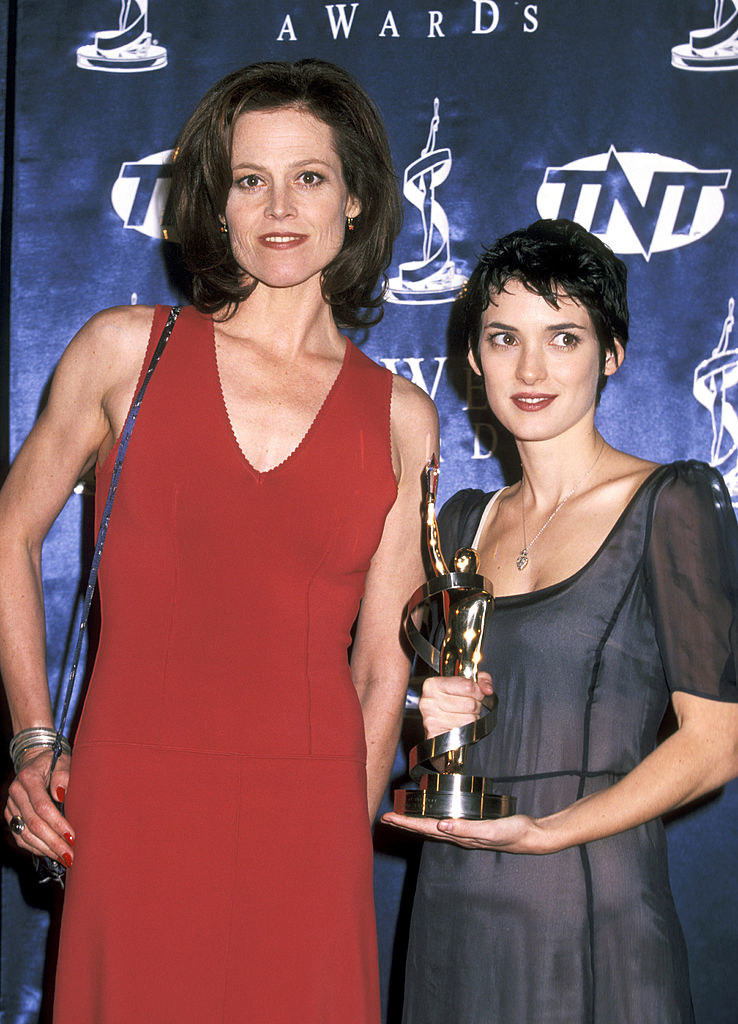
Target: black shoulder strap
<point x="125" y="437"/>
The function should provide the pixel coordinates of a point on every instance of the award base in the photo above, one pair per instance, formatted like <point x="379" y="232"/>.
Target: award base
<point x="454" y="796"/>
<point x="688" y="59"/>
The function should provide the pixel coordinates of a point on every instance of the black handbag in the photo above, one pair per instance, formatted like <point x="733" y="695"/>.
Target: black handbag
<point x="47" y="868"/>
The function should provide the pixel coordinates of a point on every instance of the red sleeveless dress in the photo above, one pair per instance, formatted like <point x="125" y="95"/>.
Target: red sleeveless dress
<point x="223" y="859"/>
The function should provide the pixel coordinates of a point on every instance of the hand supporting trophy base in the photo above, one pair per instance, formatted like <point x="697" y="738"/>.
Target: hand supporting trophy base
<point x="449" y="793"/>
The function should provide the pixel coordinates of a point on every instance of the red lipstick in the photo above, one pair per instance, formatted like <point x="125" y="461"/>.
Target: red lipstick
<point x="530" y="402"/>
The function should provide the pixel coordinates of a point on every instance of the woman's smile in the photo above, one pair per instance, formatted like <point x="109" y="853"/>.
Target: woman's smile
<point x="282" y="241"/>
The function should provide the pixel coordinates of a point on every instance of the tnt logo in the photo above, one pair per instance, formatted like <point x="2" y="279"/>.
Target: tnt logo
<point x="140" y="193"/>
<point x="636" y="202"/>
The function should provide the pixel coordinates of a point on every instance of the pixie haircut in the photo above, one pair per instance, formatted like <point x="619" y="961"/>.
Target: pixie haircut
<point x="201" y="179"/>
<point x="554" y="258"/>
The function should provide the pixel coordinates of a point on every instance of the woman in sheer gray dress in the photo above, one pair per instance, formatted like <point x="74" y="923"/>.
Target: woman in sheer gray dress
<point x="615" y="594"/>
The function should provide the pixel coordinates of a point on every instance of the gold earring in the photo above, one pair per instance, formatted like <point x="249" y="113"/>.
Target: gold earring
<point x="223" y="228"/>
<point x="350" y="223"/>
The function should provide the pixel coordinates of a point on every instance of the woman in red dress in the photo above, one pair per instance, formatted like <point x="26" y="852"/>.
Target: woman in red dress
<point x="229" y="760"/>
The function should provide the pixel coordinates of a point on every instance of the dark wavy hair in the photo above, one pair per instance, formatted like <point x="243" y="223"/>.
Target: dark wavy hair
<point x="553" y="258"/>
<point x="201" y="179"/>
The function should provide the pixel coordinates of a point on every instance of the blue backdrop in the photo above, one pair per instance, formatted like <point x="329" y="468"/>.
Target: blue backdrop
<point x="620" y="115"/>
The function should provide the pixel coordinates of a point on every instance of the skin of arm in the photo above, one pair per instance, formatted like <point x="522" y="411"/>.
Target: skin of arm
<point x="699" y="757"/>
<point x="92" y="387"/>
<point x="379" y="663"/>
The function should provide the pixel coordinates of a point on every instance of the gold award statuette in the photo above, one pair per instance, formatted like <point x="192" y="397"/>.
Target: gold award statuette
<point x="449" y="793"/>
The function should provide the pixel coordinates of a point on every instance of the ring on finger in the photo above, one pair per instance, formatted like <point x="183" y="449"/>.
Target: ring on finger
<point x="16" y="824"/>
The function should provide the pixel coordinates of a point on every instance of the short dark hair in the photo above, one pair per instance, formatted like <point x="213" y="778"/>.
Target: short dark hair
<point x="551" y="258"/>
<point x="201" y="180"/>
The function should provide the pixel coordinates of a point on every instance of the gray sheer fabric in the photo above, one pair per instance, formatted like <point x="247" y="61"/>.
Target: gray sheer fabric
<point x="583" y="670"/>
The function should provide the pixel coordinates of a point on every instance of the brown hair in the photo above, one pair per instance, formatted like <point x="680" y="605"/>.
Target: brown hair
<point x="201" y="180"/>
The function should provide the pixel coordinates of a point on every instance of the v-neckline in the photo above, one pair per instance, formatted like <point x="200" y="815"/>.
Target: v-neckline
<point x="262" y="473"/>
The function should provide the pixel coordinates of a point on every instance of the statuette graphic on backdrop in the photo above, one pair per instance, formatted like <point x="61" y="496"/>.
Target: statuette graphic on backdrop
<point x="433" y="277"/>
<point x="466" y="602"/>
<point x="127" y="48"/>
<point x="714" y="48"/>
<point x="715" y="380"/>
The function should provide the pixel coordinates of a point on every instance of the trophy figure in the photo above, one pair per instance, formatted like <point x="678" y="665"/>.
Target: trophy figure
<point x="449" y="793"/>
<point x="128" y="48"/>
<point x="714" y="384"/>
<point x="434" y="277"/>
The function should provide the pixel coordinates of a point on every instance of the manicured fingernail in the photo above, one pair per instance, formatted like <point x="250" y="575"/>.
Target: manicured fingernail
<point x="67" y="858"/>
<point x="69" y="838"/>
<point x="60" y="794"/>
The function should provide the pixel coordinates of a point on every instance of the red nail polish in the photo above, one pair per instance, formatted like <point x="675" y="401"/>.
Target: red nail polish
<point x="69" y="838"/>
<point x="67" y="858"/>
<point x="60" y="794"/>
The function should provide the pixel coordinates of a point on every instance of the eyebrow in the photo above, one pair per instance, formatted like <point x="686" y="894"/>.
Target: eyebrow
<point x="499" y="326"/>
<point x="311" y="161"/>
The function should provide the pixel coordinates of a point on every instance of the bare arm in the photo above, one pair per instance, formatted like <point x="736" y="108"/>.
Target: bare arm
<point x="90" y="392"/>
<point x="379" y="663"/>
<point x="699" y="757"/>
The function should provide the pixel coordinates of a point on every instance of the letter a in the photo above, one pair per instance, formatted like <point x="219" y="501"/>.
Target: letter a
<point x="389" y="26"/>
<point x="287" y="30"/>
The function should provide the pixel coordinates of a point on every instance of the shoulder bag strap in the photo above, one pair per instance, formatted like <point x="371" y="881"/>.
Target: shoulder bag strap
<point x="102" y="532"/>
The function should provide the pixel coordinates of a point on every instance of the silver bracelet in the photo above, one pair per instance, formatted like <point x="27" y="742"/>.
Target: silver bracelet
<point x="28" y="739"/>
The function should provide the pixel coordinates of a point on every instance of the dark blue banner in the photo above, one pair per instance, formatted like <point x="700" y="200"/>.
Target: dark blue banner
<point x="620" y="116"/>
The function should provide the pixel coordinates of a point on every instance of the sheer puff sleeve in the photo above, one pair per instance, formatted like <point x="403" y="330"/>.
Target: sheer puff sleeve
<point x="691" y="574"/>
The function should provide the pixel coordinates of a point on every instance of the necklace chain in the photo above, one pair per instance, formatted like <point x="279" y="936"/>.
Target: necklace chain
<point x="523" y="558"/>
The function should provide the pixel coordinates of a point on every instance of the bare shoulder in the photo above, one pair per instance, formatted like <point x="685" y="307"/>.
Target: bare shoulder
<point x="97" y="373"/>
<point x="414" y="429"/>
<point x="631" y="468"/>
<point x="625" y="474"/>
<point x="114" y="335"/>
<point x="105" y="356"/>
<point x="412" y="408"/>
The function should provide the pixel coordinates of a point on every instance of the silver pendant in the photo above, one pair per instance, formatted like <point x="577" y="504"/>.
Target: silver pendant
<point x="522" y="560"/>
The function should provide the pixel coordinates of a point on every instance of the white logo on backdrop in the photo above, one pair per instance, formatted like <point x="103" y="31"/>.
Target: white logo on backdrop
<point x="127" y="48"/>
<point x="714" y="385"/>
<point x="140" y="192"/>
<point x="714" y="48"/>
<point x="433" y="278"/>
<point x="636" y="202"/>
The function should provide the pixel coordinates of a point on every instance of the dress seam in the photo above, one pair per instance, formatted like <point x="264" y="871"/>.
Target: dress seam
<point x="172" y="616"/>
<point x="587" y="725"/>
<point x="596" y="665"/>
<point x="389" y="399"/>
<point x="308" y="631"/>
<point x="206" y="752"/>
<point x="229" y="941"/>
<point x="589" y="895"/>
<point x="563" y="773"/>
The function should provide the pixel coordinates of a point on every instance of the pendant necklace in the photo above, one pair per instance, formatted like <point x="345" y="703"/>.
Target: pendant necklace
<point x="522" y="560"/>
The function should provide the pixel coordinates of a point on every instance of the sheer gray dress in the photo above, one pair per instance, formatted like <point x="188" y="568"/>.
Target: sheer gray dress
<point x="583" y="670"/>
